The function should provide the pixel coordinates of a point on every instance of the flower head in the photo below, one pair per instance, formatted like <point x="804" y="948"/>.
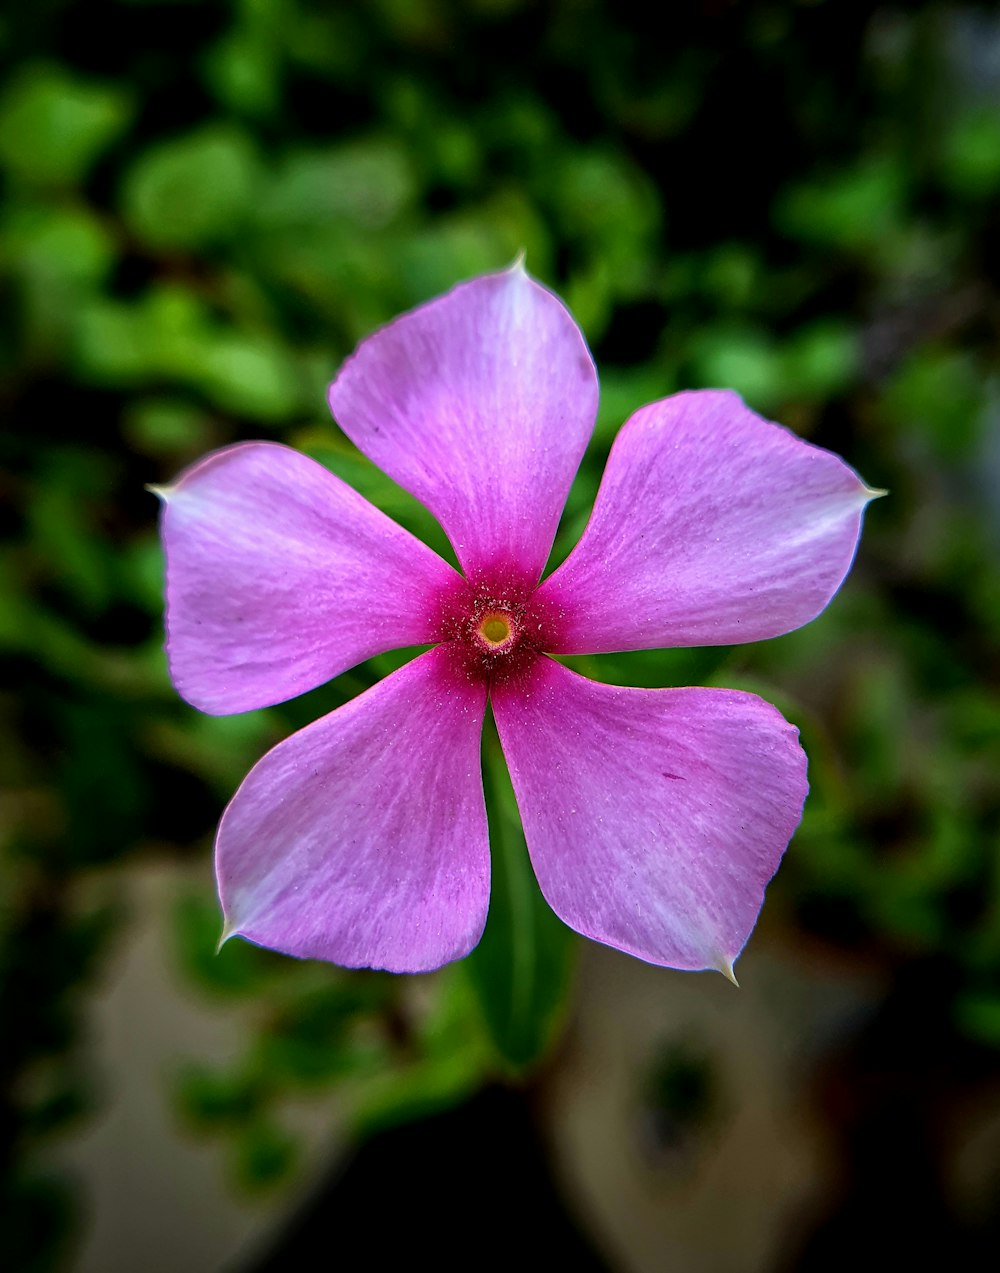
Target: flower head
<point x="654" y="818"/>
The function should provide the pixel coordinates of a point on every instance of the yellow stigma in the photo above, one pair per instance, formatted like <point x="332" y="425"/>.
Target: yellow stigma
<point x="495" y="629"/>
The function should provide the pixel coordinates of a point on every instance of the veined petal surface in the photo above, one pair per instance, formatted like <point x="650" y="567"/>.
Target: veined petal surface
<point x="480" y="404"/>
<point x="280" y="576"/>
<point x="712" y="526"/>
<point x="654" y="818"/>
<point x="362" y="839"/>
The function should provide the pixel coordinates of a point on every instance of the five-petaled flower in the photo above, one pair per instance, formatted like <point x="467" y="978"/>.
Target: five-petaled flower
<point x="654" y="818"/>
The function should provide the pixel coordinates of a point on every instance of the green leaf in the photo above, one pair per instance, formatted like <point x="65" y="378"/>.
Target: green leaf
<point x="939" y="393"/>
<point x="192" y="190"/>
<point x="58" y="246"/>
<point x="244" y="72"/>
<point x="165" y="426"/>
<point x="609" y="202"/>
<point x="821" y="359"/>
<point x="367" y="183"/>
<point x="978" y="1016"/>
<point x="248" y="374"/>
<point x="52" y="127"/>
<point x="109" y="344"/>
<point x="521" y="970"/>
<point x="61" y="519"/>
<point x="731" y="275"/>
<point x="447" y="1058"/>
<point x="970" y="161"/>
<point x="214" y="1099"/>
<point x="237" y="968"/>
<point x="743" y="358"/>
<point x="311" y="1038"/>
<point x="263" y="1155"/>
<point x="857" y="209"/>
<point x="626" y="389"/>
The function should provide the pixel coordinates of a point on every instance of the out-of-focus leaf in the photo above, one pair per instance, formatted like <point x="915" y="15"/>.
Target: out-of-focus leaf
<point x="625" y="390"/>
<point x="263" y="1155"/>
<point x="165" y="427"/>
<point x="163" y="334"/>
<point x="192" y="190"/>
<point x="606" y="200"/>
<point x="110" y="345"/>
<point x="939" y="394"/>
<point x="238" y="968"/>
<point x="367" y="182"/>
<point x="170" y="334"/>
<point x="652" y="669"/>
<point x="970" y="159"/>
<point x="244" y="71"/>
<point x="57" y="245"/>
<point x="61" y="518"/>
<point x="249" y="375"/>
<point x="38" y="1215"/>
<point x="475" y="241"/>
<point x="731" y="275"/>
<point x="218" y="748"/>
<point x="312" y="1040"/>
<point x="53" y="126"/>
<point x="905" y="909"/>
<point x="856" y="210"/>
<point x="746" y="359"/>
<point x="448" y="1058"/>
<point x="978" y="1015"/>
<point x="211" y="1099"/>
<point x="821" y="359"/>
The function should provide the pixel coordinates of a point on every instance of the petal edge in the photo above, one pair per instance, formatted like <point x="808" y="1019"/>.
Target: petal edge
<point x="712" y="526"/>
<point x="654" y="818"/>
<point x="362" y="839"/>
<point x="481" y="404"/>
<point x="280" y="576"/>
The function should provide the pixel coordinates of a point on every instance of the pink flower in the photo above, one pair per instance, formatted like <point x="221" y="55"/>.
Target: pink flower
<point x="654" y="818"/>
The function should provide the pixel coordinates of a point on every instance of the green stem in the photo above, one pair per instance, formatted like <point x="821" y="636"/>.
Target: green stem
<point x="510" y="858"/>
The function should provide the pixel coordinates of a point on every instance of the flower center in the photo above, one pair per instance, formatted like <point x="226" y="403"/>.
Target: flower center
<point x="495" y="625"/>
<point x="495" y="629"/>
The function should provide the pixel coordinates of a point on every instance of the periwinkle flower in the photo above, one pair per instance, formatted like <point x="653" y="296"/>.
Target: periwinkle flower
<point x="654" y="818"/>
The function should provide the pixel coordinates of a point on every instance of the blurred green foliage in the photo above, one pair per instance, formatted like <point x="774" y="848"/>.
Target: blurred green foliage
<point x="522" y="967"/>
<point x="202" y="216"/>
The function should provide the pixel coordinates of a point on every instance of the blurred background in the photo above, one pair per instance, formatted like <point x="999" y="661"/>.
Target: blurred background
<point x="205" y="205"/>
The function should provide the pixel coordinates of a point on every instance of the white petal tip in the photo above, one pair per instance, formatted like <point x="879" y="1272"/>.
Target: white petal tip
<point x="874" y="492"/>
<point x="228" y="930"/>
<point x="517" y="265"/>
<point x="161" y="492"/>
<point x="725" y="966"/>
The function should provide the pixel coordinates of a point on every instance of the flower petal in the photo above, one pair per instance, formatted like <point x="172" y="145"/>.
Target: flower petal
<point x="280" y="576"/>
<point x="362" y="839"/>
<point x="712" y="526"/>
<point x="481" y="404"/>
<point x="654" y="818"/>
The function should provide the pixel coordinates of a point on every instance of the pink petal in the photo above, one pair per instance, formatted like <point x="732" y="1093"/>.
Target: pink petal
<point x="279" y="577"/>
<point x="362" y="839"/>
<point x="481" y="404"/>
<point x="711" y="526"/>
<point x="654" y="818"/>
